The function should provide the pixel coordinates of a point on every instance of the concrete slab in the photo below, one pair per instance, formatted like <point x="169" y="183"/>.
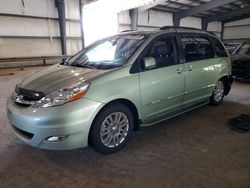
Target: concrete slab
<point x="196" y="149"/>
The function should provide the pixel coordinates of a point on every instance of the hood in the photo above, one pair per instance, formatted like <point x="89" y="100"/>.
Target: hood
<point x="57" y="77"/>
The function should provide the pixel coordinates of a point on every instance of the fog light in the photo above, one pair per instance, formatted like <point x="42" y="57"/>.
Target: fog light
<point x="57" y="138"/>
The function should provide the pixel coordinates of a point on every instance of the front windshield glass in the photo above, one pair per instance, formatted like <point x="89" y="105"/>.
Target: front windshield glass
<point x="108" y="53"/>
<point x="243" y="49"/>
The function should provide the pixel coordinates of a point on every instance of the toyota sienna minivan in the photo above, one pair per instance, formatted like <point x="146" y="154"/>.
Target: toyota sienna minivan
<point x="103" y="93"/>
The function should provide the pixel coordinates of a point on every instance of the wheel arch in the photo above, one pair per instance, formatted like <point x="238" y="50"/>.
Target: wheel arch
<point x="227" y="81"/>
<point x="125" y="102"/>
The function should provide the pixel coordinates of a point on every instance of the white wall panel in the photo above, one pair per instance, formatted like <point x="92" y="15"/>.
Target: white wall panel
<point x="72" y="9"/>
<point x="191" y="22"/>
<point x="73" y="29"/>
<point x="123" y="17"/>
<point x="16" y="26"/>
<point x="154" y="18"/>
<point x="43" y="8"/>
<point x="239" y="29"/>
<point x="37" y="37"/>
<point x="73" y="46"/>
<point x="240" y="32"/>
<point x="215" y="26"/>
<point x="28" y="47"/>
<point x="124" y="21"/>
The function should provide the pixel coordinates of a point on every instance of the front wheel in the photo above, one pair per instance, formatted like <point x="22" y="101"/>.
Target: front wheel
<point x="218" y="93"/>
<point x="112" y="129"/>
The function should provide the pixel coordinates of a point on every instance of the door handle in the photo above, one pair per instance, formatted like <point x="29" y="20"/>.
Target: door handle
<point x="179" y="70"/>
<point x="190" y="68"/>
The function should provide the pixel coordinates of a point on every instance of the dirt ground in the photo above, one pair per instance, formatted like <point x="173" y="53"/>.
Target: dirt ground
<point x="196" y="149"/>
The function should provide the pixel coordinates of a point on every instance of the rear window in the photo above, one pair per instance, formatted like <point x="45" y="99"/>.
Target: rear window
<point x="220" y="51"/>
<point x="196" y="48"/>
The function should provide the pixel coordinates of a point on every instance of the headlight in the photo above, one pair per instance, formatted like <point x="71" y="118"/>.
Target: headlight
<point x="62" y="96"/>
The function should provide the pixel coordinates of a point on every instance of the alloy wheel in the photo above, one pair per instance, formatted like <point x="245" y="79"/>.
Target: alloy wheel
<point x="218" y="91"/>
<point x="114" y="129"/>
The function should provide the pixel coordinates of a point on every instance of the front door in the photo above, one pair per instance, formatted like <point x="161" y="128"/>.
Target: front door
<point x="161" y="79"/>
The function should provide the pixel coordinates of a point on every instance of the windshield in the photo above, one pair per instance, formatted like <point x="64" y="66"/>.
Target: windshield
<point x="108" y="53"/>
<point x="243" y="49"/>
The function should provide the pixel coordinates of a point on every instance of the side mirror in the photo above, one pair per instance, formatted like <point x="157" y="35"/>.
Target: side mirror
<point x="149" y="63"/>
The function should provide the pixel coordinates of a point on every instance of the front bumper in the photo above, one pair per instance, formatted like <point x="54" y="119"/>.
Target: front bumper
<point x="34" y="125"/>
<point x="241" y="71"/>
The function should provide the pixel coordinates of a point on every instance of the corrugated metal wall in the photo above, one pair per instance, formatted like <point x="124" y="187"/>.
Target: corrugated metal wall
<point x="31" y="28"/>
<point x="237" y="30"/>
<point x="151" y="20"/>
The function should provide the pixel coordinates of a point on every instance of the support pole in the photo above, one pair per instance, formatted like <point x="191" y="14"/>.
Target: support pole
<point x="134" y="18"/>
<point x="60" y="4"/>
<point x="176" y="21"/>
<point x="204" y="24"/>
<point x="81" y="24"/>
<point x="222" y="30"/>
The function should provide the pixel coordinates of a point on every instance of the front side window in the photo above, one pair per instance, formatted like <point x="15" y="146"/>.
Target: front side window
<point x="196" y="48"/>
<point x="160" y="53"/>
<point x="108" y="53"/>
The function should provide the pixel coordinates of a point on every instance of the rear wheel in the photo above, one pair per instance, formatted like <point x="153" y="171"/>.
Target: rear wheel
<point x="112" y="129"/>
<point x="218" y="93"/>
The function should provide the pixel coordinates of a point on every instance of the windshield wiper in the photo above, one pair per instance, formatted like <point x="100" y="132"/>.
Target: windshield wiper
<point x="84" y="65"/>
<point x="64" y="62"/>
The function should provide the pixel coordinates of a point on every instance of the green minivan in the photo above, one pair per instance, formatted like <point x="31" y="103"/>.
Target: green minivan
<point x="103" y="93"/>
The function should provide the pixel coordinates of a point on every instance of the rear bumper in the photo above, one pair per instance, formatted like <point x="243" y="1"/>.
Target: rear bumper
<point x="34" y="125"/>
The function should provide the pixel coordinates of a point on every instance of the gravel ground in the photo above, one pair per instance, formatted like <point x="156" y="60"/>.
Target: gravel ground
<point x="196" y="149"/>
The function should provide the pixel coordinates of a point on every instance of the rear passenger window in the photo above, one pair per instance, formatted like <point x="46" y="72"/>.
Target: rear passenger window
<point x="196" y="48"/>
<point x="219" y="48"/>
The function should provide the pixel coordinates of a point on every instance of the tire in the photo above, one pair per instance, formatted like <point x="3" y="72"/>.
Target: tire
<point x="218" y="93"/>
<point x="112" y="129"/>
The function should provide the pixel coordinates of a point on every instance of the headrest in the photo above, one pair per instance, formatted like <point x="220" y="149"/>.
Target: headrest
<point x="163" y="51"/>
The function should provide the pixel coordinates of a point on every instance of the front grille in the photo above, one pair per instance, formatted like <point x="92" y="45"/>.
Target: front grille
<point x="22" y="133"/>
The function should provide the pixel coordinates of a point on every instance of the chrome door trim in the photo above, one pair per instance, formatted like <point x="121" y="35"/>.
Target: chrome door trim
<point x="198" y="89"/>
<point x="179" y="113"/>
<point x="163" y="100"/>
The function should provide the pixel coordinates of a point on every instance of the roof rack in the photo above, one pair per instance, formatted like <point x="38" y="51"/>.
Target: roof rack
<point x="127" y="31"/>
<point x="174" y="27"/>
<point x="212" y="33"/>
